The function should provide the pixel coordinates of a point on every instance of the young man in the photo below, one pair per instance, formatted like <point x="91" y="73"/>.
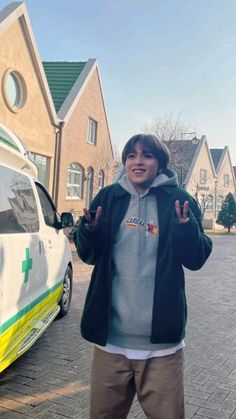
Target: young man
<point x="144" y="231"/>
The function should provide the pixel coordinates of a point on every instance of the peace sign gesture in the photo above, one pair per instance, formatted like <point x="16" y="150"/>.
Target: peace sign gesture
<point x="182" y="212"/>
<point x="92" y="220"/>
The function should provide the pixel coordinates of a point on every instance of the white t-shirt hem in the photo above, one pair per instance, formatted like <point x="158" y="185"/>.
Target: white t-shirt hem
<point x="140" y="354"/>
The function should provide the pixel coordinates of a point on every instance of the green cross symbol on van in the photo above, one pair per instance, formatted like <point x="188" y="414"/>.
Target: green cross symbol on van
<point x="27" y="264"/>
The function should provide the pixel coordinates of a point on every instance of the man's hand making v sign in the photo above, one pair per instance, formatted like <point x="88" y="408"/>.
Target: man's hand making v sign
<point x="182" y="212"/>
<point x="92" y="222"/>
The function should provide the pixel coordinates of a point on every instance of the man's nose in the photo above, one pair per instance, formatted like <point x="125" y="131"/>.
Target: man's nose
<point x="139" y="160"/>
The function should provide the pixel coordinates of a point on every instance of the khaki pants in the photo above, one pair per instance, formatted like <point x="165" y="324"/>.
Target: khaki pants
<point x="158" y="383"/>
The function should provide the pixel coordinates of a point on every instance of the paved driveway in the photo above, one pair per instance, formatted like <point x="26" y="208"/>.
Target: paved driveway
<point x="52" y="379"/>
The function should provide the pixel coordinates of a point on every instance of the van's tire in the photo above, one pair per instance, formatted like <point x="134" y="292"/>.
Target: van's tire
<point x="66" y="293"/>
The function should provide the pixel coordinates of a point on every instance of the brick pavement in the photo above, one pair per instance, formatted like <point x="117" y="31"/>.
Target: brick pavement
<point x="52" y="379"/>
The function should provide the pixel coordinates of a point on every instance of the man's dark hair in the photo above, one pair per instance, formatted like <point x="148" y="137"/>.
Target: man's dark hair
<point x="150" y="143"/>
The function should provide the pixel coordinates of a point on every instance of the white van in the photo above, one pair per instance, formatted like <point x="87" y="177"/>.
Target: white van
<point x="35" y="258"/>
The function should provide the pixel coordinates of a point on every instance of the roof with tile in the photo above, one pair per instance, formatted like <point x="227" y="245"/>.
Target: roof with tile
<point x="216" y="154"/>
<point x="182" y="158"/>
<point x="61" y="77"/>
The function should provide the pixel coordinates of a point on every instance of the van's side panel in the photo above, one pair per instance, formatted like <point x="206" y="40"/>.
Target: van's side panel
<point x="34" y="255"/>
<point x="23" y="273"/>
<point x="31" y="269"/>
<point x="23" y="263"/>
<point x="1" y="279"/>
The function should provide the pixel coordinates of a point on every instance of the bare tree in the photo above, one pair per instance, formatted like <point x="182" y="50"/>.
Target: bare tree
<point x="167" y="127"/>
<point x="105" y="163"/>
<point x="117" y="161"/>
<point x="205" y="200"/>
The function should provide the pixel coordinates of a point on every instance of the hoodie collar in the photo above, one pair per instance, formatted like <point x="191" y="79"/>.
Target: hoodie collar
<point x="166" y="181"/>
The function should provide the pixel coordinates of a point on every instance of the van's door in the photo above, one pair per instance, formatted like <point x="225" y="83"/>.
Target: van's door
<point x="1" y="278"/>
<point x="23" y="261"/>
<point x="55" y="243"/>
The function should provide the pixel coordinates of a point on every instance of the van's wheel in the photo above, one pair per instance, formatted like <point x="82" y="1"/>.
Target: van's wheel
<point x="66" y="293"/>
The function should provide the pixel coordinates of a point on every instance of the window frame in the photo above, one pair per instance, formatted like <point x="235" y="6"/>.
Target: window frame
<point x="90" y="186"/>
<point x="92" y="131"/>
<point x="203" y="176"/>
<point x="76" y="185"/>
<point x="219" y="202"/>
<point x="22" y="90"/>
<point x="101" y="175"/>
<point x="226" y="180"/>
<point x="210" y="203"/>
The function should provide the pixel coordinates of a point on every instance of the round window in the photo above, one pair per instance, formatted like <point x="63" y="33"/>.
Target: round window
<point x="14" y="90"/>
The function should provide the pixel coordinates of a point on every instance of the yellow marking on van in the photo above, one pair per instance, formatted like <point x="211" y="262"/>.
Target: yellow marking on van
<point x="27" y="264"/>
<point x="24" y="322"/>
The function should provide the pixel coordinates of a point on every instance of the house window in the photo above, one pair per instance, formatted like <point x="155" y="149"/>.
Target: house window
<point x="203" y="176"/>
<point x="92" y="131"/>
<point x="101" y="179"/>
<point x="226" y="180"/>
<point x="209" y="203"/>
<point x="89" y="192"/>
<point x="219" y="202"/>
<point x="42" y="163"/>
<point x="14" y="90"/>
<point x="74" y="181"/>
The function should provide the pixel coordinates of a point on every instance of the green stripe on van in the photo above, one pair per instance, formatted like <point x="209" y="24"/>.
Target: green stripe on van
<point x="28" y="308"/>
<point x="5" y="138"/>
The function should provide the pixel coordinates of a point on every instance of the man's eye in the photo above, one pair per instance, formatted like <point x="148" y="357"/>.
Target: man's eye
<point x="148" y="155"/>
<point x="130" y="156"/>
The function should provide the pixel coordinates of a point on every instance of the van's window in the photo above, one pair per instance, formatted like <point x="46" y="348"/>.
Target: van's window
<point x="18" y="208"/>
<point x="49" y="213"/>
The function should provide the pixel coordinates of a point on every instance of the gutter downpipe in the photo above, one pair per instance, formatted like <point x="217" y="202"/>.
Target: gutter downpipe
<point x="57" y="162"/>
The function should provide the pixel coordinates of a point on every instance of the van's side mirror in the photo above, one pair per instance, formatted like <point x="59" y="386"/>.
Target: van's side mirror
<point x="67" y="219"/>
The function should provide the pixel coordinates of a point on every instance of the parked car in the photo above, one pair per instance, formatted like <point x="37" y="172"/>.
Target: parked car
<point x="35" y="258"/>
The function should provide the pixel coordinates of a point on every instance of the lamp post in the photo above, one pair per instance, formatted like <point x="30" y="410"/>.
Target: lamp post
<point x="181" y="153"/>
<point x="215" y="199"/>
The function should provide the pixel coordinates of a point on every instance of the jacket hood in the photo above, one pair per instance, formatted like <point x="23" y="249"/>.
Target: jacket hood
<point x="164" y="180"/>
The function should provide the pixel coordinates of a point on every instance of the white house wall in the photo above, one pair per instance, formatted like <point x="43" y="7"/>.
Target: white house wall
<point x="225" y="169"/>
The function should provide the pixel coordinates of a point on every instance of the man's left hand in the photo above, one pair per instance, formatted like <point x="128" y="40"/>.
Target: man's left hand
<point x="182" y="212"/>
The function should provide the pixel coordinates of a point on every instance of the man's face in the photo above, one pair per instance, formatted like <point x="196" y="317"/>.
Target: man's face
<point x="141" y="167"/>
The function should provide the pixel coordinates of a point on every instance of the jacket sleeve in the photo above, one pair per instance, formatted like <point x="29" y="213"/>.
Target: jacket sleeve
<point x="91" y="244"/>
<point x="191" y="244"/>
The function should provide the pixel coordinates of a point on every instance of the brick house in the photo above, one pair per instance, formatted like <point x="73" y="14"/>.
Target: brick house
<point x="26" y="106"/>
<point x="60" y="116"/>
<point x="234" y="169"/>
<point x="225" y="181"/>
<point x="84" y="150"/>
<point x="205" y="173"/>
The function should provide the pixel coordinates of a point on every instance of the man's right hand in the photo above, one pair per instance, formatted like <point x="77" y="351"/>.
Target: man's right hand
<point x="92" y="224"/>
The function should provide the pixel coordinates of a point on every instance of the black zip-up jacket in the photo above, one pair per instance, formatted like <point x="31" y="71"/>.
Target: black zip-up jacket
<point x="179" y="245"/>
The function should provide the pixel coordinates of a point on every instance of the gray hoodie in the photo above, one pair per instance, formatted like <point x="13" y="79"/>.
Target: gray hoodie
<point x="134" y="255"/>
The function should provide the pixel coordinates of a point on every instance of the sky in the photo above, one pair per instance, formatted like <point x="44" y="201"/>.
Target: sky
<point x="156" y="58"/>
